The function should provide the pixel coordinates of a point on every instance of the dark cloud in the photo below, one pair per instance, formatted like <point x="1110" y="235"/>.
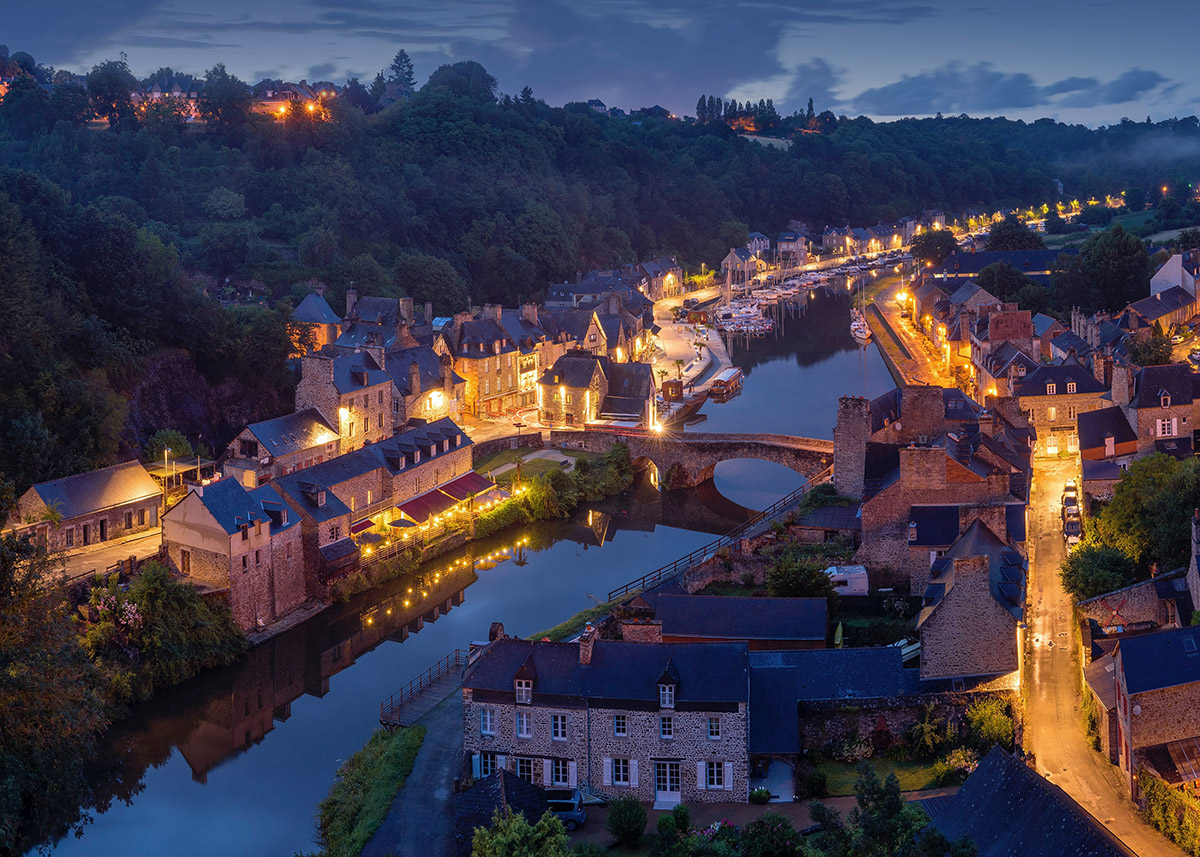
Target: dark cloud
<point x="139" y="40"/>
<point x="322" y="71"/>
<point x="816" y="80"/>
<point x="1131" y="85"/>
<point x="981" y="88"/>
<point x="60" y="36"/>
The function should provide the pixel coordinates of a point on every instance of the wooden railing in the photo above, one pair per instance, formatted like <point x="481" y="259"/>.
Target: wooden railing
<point x="701" y="554"/>
<point x="389" y="709"/>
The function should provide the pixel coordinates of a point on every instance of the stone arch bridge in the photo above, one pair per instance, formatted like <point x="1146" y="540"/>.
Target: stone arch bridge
<point x="685" y="460"/>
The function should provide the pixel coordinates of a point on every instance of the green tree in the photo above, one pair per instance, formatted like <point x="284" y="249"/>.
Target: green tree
<point x="466" y="79"/>
<point x="626" y="820"/>
<point x="1135" y="198"/>
<point x="933" y="246"/>
<point x="1125" y="523"/>
<point x="1118" y="267"/>
<point x="318" y="246"/>
<point x="401" y="70"/>
<point x="164" y="439"/>
<point x="1011" y="234"/>
<point x="224" y="204"/>
<point x="990" y="724"/>
<point x="1093" y="569"/>
<point x="110" y="85"/>
<point x="1153" y="350"/>
<point x="225" y="100"/>
<point x="1003" y="280"/>
<point x="224" y="246"/>
<point x="430" y="279"/>
<point x="51" y="707"/>
<point x="511" y="835"/>
<point x="793" y="575"/>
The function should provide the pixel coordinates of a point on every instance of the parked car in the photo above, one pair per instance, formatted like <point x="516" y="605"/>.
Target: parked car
<point x="1177" y="339"/>
<point x="1070" y="497"/>
<point x="567" y="806"/>
<point x="1072" y="530"/>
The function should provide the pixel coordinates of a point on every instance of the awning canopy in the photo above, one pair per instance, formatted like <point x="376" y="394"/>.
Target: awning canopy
<point x="466" y="485"/>
<point x="359" y="526"/>
<point x="424" y="507"/>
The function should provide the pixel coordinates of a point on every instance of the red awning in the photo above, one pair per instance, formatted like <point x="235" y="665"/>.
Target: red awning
<point x="360" y="526"/>
<point x="466" y="485"/>
<point x="424" y="507"/>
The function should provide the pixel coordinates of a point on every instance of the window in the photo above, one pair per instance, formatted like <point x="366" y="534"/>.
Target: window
<point x="486" y="387"/>
<point x="487" y="764"/>
<point x="69" y="537"/>
<point x="1052" y="413"/>
<point x="141" y="517"/>
<point x="714" y="728"/>
<point x="714" y="775"/>
<point x="381" y="397"/>
<point x="1072" y="412"/>
<point x="352" y="429"/>
<point x="525" y="769"/>
<point x="558" y="727"/>
<point x="243" y="563"/>
<point x="666" y="728"/>
<point x="1051" y="389"/>
<point x="560" y="772"/>
<point x="1071" y="388"/>
<point x="570" y="398"/>
<point x="591" y="337"/>
<point x="1164" y="399"/>
<point x="524" y="691"/>
<point x="620" y="775"/>
<point x="487" y="721"/>
<point x="524" y="724"/>
<point x="185" y="562"/>
<point x="129" y="520"/>
<point x="620" y="727"/>
<point x="257" y="557"/>
<point x="335" y="533"/>
<point x="353" y="503"/>
<point x="666" y="696"/>
<point x="1165" y="428"/>
<point x="245" y="532"/>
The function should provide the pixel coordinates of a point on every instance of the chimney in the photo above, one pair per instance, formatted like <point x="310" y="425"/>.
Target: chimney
<point x="586" y="641"/>
<point x="641" y="630"/>
<point x="529" y="312"/>
<point x="1120" y="385"/>
<point x="496" y="631"/>
<point x="429" y="312"/>
<point x="414" y="379"/>
<point x="351" y="301"/>
<point x="406" y="309"/>
<point x="614" y="304"/>
<point x="492" y="311"/>
<point x="578" y="277"/>
<point x="447" y="364"/>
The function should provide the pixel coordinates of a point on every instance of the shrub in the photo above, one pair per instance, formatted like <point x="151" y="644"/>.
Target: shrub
<point x="588" y="849"/>
<point x="760" y="796"/>
<point x="816" y="784"/>
<point x="990" y="724"/>
<point x="626" y="820"/>
<point x="683" y="818"/>
<point x="770" y="835"/>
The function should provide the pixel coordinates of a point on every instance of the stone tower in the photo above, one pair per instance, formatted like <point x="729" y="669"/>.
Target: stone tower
<point x="850" y="445"/>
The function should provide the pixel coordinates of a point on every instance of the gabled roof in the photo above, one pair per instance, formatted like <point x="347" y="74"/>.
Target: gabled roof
<point x="573" y="370"/>
<point x="1157" y="661"/>
<point x="1069" y="341"/>
<point x="1006" y="808"/>
<point x="356" y="372"/>
<point x="630" y="380"/>
<point x="503" y="791"/>
<point x="1036" y="383"/>
<point x="1163" y="303"/>
<point x="293" y="432"/>
<point x="1095" y="426"/>
<point x="1006" y="355"/>
<point x="733" y="618"/>
<point x="429" y="367"/>
<point x="1006" y="571"/>
<point x="1042" y="323"/>
<point x="960" y="264"/>
<point x="707" y="672"/>
<point x="230" y="505"/>
<point x="95" y="490"/>
<point x="1175" y="380"/>
<point x="936" y="525"/>
<point x="314" y="309"/>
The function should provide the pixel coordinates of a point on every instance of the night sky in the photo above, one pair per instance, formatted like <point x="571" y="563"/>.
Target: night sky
<point x="1075" y="60"/>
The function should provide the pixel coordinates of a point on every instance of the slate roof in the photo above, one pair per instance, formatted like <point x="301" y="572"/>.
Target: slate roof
<point x="429" y="365"/>
<point x="272" y="503"/>
<point x="314" y="309"/>
<point x="1042" y="323"/>
<point x="970" y="264"/>
<point x="1095" y="426"/>
<point x="1176" y="380"/>
<point x="1166" y="659"/>
<point x="936" y="525"/>
<point x="356" y="372"/>
<point x="1059" y="374"/>
<point x="780" y="681"/>
<point x="1007" y="808"/>
<point x="231" y="505"/>
<point x="293" y="432"/>
<point x="573" y="321"/>
<point x="1069" y="341"/>
<point x="1101" y="676"/>
<point x="95" y="490"/>
<point x="1163" y="303"/>
<point x="708" y="672"/>
<point x="834" y="518"/>
<point x="889" y="407"/>
<point x="502" y="790"/>
<point x="630" y="380"/>
<point x="1006" y="571"/>
<point x="734" y="618"/>
<point x="1006" y="355"/>
<point x="965" y="292"/>
<point x="1093" y="469"/>
<point x="573" y="371"/>
<point x="1014" y="521"/>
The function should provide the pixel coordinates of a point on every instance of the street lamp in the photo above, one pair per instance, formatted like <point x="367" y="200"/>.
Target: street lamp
<point x="166" y="449"/>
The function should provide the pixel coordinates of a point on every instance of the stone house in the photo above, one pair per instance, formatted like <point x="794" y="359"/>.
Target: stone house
<point x="582" y="330"/>
<point x="590" y="289"/>
<point x="1053" y="396"/>
<point x="1107" y="444"/>
<point x="664" y="277"/>
<point x="1158" y="705"/>
<point x="269" y="449"/>
<point x="1168" y="308"/>
<point x="78" y="511"/>
<point x="973" y="609"/>
<point x="246" y="543"/>
<point x="540" y="340"/>
<point x="1181" y="270"/>
<point x="425" y="387"/>
<point x="352" y="393"/>
<point x="740" y="265"/>
<point x="758" y="244"/>
<point x="1045" y="331"/>
<point x="662" y="722"/>
<point x="581" y="388"/>
<point x="383" y="324"/>
<point x="1161" y="407"/>
<point x="791" y="248"/>
<point x="315" y="318"/>
<point x="486" y="357"/>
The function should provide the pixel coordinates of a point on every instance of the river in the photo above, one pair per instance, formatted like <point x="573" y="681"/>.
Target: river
<point x="236" y="761"/>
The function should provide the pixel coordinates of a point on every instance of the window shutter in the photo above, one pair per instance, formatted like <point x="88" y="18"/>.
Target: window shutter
<point x="572" y="776"/>
<point x="476" y="770"/>
<point x="728" y="776"/>
<point x="546" y="772"/>
<point x="701" y="776"/>
<point x="633" y="776"/>
<point x="500" y="760"/>
<point x="608" y="772"/>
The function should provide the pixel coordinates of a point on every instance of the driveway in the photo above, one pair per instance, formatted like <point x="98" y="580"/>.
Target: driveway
<point x="1053" y="722"/>
<point x="100" y="557"/>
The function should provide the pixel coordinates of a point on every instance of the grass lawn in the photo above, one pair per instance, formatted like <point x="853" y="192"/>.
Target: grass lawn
<point x="1134" y="220"/>
<point x="580" y="453"/>
<point x="498" y="459"/>
<point x="871" y="629"/>
<point x="529" y="469"/>
<point x="913" y="776"/>
<point x="575" y="624"/>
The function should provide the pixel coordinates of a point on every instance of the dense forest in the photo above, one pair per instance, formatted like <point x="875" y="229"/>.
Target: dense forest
<point x="157" y="233"/>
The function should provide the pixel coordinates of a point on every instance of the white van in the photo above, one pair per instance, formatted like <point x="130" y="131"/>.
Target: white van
<point x="849" y="579"/>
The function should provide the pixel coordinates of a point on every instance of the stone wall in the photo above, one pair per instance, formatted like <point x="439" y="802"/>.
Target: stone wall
<point x="850" y="445"/>
<point x="968" y="633"/>
<point x="528" y="440"/>
<point x="1170" y="714"/>
<point x="1136" y="603"/>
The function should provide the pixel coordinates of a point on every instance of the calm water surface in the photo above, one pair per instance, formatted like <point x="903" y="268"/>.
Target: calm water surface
<point x="236" y="761"/>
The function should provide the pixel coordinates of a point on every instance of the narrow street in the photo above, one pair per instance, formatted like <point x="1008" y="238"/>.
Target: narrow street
<point x="929" y="369"/>
<point x="1054" y="732"/>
